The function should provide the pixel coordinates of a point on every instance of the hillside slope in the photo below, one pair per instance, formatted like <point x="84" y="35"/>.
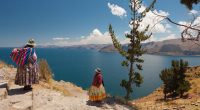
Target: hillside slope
<point x="167" y="47"/>
<point x="155" y="101"/>
<point x="47" y="96"/>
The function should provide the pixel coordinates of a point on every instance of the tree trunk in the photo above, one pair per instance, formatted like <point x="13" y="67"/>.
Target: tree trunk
<point x="165" y="97"/>
<point x="181" y="95"/>
<point x="127" y="97"/>
<point x="129" y="88"/>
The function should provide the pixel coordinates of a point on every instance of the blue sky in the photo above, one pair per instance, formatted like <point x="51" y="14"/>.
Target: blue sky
<point x="68" y="22"/>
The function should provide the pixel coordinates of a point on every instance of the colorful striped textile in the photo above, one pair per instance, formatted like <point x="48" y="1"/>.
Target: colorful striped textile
<point x="97" y="93"/>
<point x="20" y="56"/>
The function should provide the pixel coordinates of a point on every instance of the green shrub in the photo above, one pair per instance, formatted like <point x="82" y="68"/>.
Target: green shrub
<point x="174" y="79"/>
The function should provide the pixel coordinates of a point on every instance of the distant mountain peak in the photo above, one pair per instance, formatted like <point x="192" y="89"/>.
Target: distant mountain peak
<point x="166" y="47"/>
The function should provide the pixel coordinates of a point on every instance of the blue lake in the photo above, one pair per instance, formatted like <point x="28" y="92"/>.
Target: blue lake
<point x="77" y="65"/>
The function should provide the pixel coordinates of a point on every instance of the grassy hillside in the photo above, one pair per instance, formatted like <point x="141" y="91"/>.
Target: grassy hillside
<point x="191" y="101"/>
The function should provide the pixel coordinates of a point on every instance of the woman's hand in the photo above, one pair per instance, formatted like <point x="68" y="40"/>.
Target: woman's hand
<point x="15" y="49"/>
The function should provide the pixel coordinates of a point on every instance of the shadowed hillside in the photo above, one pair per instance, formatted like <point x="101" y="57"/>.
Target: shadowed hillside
<point x="167" y="47"/>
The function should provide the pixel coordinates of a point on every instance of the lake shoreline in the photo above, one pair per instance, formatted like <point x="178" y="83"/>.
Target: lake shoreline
<point x="99" y="50"/>
<point x="77" y="66"/>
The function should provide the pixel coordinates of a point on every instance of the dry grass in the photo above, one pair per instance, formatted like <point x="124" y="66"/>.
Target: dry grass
<point x="53" y="86"/>
<point x="193" y="72"/>
<point x="46" y="74"/>
<point x="46" y="78"/>
<point x="155" y="100"/>
<point x="2" y="64"/>
<point x="62" y="89"/>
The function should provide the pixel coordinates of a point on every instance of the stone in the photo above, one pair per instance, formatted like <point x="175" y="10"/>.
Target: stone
<point x="182" y="106"/>
<point x="4" y="84"/>
<point x="3" y="93"/>
<point x="4" y="105"/>
<point x="175" y="108"/>
<point x="192" y="103"/>
<point x="22" y="106"/>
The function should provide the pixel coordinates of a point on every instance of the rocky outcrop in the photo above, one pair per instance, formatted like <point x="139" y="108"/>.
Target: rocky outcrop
<point x="3" y="93"/>
<point x="57" y="95"/>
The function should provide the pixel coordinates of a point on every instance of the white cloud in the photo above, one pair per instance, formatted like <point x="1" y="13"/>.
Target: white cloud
<point x="181" y="28"/>
<point x="60" y="38"/>
<point x="95" y="37"/>
<point x="126" y="32"/>
<point x="117" y="10"/>
<point x="154" y="22"/>
<point x="193" y="12"/>
<point x="125" y="41"/>
<point x="161" y="38"/>
<point x="156" y="25"/>
<point x="196" y="24"/>
<point x="171" y="36"/>
<point x="168" y="26"/>
<point x="82" y="37"/>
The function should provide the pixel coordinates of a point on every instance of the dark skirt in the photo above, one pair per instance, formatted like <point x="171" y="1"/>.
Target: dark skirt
<point x="27" y="75"/>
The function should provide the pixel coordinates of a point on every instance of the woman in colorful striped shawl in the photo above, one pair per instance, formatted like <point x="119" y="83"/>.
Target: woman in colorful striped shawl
<point x="97" y="91"/>
<point x="27" y="70"/>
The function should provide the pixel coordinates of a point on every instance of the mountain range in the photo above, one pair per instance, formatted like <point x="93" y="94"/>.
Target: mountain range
<point x="166" y="47"/>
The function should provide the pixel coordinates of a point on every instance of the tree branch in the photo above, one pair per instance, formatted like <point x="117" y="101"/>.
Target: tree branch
<point x="170" y="20"/>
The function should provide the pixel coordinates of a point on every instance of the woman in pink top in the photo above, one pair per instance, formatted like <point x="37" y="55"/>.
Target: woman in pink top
<point x="97" y="90"/>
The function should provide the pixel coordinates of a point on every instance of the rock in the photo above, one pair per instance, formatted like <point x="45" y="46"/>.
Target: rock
<point x="182" y="106"/>
<point x="3" y="93"/>
<point x="50" y="98"/>
<point x="43" y="98"/>
<point x="22" y="106"/>
<point x="4" y="105"/>
<point x="192" y="103"/>
<point x="4" y="84"/>
<point x="1" y="65"/>
<point x="190" y="97"/>
<point x="175" y="108"/>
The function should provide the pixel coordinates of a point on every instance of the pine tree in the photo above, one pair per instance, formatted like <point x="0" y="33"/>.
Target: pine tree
<point x="183" y="84"/>
<point x="134" y="51"/>
<point x="167" y="77"/>
<point x="174" y="79"/>
<point x="175" y="68"/>
<point x="189" y="3"/>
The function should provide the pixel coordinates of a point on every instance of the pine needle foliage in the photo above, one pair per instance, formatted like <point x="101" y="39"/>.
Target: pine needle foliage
<point x="189" y="3"/>
<point x="174" y="79"/>
<point x="132" y="55"/>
